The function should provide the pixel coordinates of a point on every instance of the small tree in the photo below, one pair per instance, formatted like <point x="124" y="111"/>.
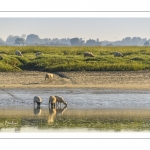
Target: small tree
<point x="19" y="41"/>
<point x="146" y="43"/>
<point x="75" y="41"/>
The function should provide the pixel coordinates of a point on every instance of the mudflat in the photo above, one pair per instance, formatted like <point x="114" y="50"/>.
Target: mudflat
<point x="77" y="79"/>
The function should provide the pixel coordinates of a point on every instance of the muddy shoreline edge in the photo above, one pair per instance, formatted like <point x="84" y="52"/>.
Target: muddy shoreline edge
<point x="130" y="80"/>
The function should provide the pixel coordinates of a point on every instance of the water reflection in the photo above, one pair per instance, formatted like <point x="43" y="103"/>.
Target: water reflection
<point x="37" y="110"/>
<point x="49" y="118"/>
<point x="54" y="112"/>
<point x="99" y="111"/>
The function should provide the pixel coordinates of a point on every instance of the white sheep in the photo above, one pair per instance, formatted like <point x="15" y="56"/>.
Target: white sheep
<point x="60" y="100"/>
<point x="38" y="53"/>
<point x="88" y="54"/>
<point x="17" y="52"/>
<point x="118" y="54"/>
<point x="52" y="101"/>
<point x="49" y="75"/>
<point x="37" y="100"/>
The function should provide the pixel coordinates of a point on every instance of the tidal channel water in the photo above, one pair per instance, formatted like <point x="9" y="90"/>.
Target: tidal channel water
<point x="87" y="110"/>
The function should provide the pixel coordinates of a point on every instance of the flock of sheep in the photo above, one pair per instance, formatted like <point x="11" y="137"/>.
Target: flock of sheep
<point x="53" y="101"/>
<point x="89" y="54"/>
<point x="53" y="110"/>
<point x="86" y="54"/>
<point x="17" y="52"/>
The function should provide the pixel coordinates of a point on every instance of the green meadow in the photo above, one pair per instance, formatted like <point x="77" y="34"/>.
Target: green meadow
<point x="72" y="59"/>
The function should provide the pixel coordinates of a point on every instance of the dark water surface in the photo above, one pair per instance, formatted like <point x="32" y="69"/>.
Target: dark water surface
<point x="87" y="110"/>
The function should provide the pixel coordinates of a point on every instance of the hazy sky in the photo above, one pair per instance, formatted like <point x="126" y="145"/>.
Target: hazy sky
<point x="110" y="29"/>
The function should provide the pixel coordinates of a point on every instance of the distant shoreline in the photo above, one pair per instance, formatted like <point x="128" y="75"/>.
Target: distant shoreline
<point x="125" y="80"/>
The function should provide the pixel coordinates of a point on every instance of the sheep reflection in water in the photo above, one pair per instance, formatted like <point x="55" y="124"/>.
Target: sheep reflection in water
<point x="54" y="112"/>
<point x="37" y="110"/>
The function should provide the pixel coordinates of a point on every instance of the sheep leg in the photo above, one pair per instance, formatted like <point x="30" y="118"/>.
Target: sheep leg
<point x="51" y="105"/>
<point x="38" y="104"/>
<point x="34" y="104"/>
<point x="57" y="103"/>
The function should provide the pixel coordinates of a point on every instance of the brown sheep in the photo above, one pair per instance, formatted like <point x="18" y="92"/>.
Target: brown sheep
<point x="49" y="75"/>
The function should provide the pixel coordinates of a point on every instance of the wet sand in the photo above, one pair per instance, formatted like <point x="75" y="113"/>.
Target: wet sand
<point x="134" y="80"/>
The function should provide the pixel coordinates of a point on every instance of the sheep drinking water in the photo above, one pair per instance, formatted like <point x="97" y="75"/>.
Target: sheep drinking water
<point x="60" y="100"/>
<point x="49" y="75"/>
<point x="37" y="100"/>
<point x="52" y="101"/>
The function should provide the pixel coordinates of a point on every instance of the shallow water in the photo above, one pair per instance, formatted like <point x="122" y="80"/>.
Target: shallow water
<point x="87" y="110"/>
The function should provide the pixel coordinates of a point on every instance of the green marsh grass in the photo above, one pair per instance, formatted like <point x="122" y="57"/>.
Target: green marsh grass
<point x="72" y="59"/>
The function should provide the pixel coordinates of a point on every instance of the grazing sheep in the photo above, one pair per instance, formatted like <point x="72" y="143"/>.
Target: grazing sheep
<point x="49" y="75"/>
<point x="38" y="53"/>
<point x="60" y="100"/>
<point x="118" y="54"/>
<point x="37" y="100"/>
<point x="52" y="101"/>
<point x="88" y="54"/>
<point x="17" y="52"/>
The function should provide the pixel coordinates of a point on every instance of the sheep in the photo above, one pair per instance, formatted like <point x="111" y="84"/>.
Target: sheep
<point x="52" y="101"/>
<point x="88" y="54"/>
<point x="60" y="100"/>
<point x="17" y="52"/>
<point x="49" y="75"/>
<point x="38" y="53"/>
<point x="37" y="100"/>
<point x="117" y="54"/>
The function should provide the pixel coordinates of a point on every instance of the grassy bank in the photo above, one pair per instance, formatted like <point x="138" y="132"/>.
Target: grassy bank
<point x="95" y="123"/>
<point x="72" y="59"/>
